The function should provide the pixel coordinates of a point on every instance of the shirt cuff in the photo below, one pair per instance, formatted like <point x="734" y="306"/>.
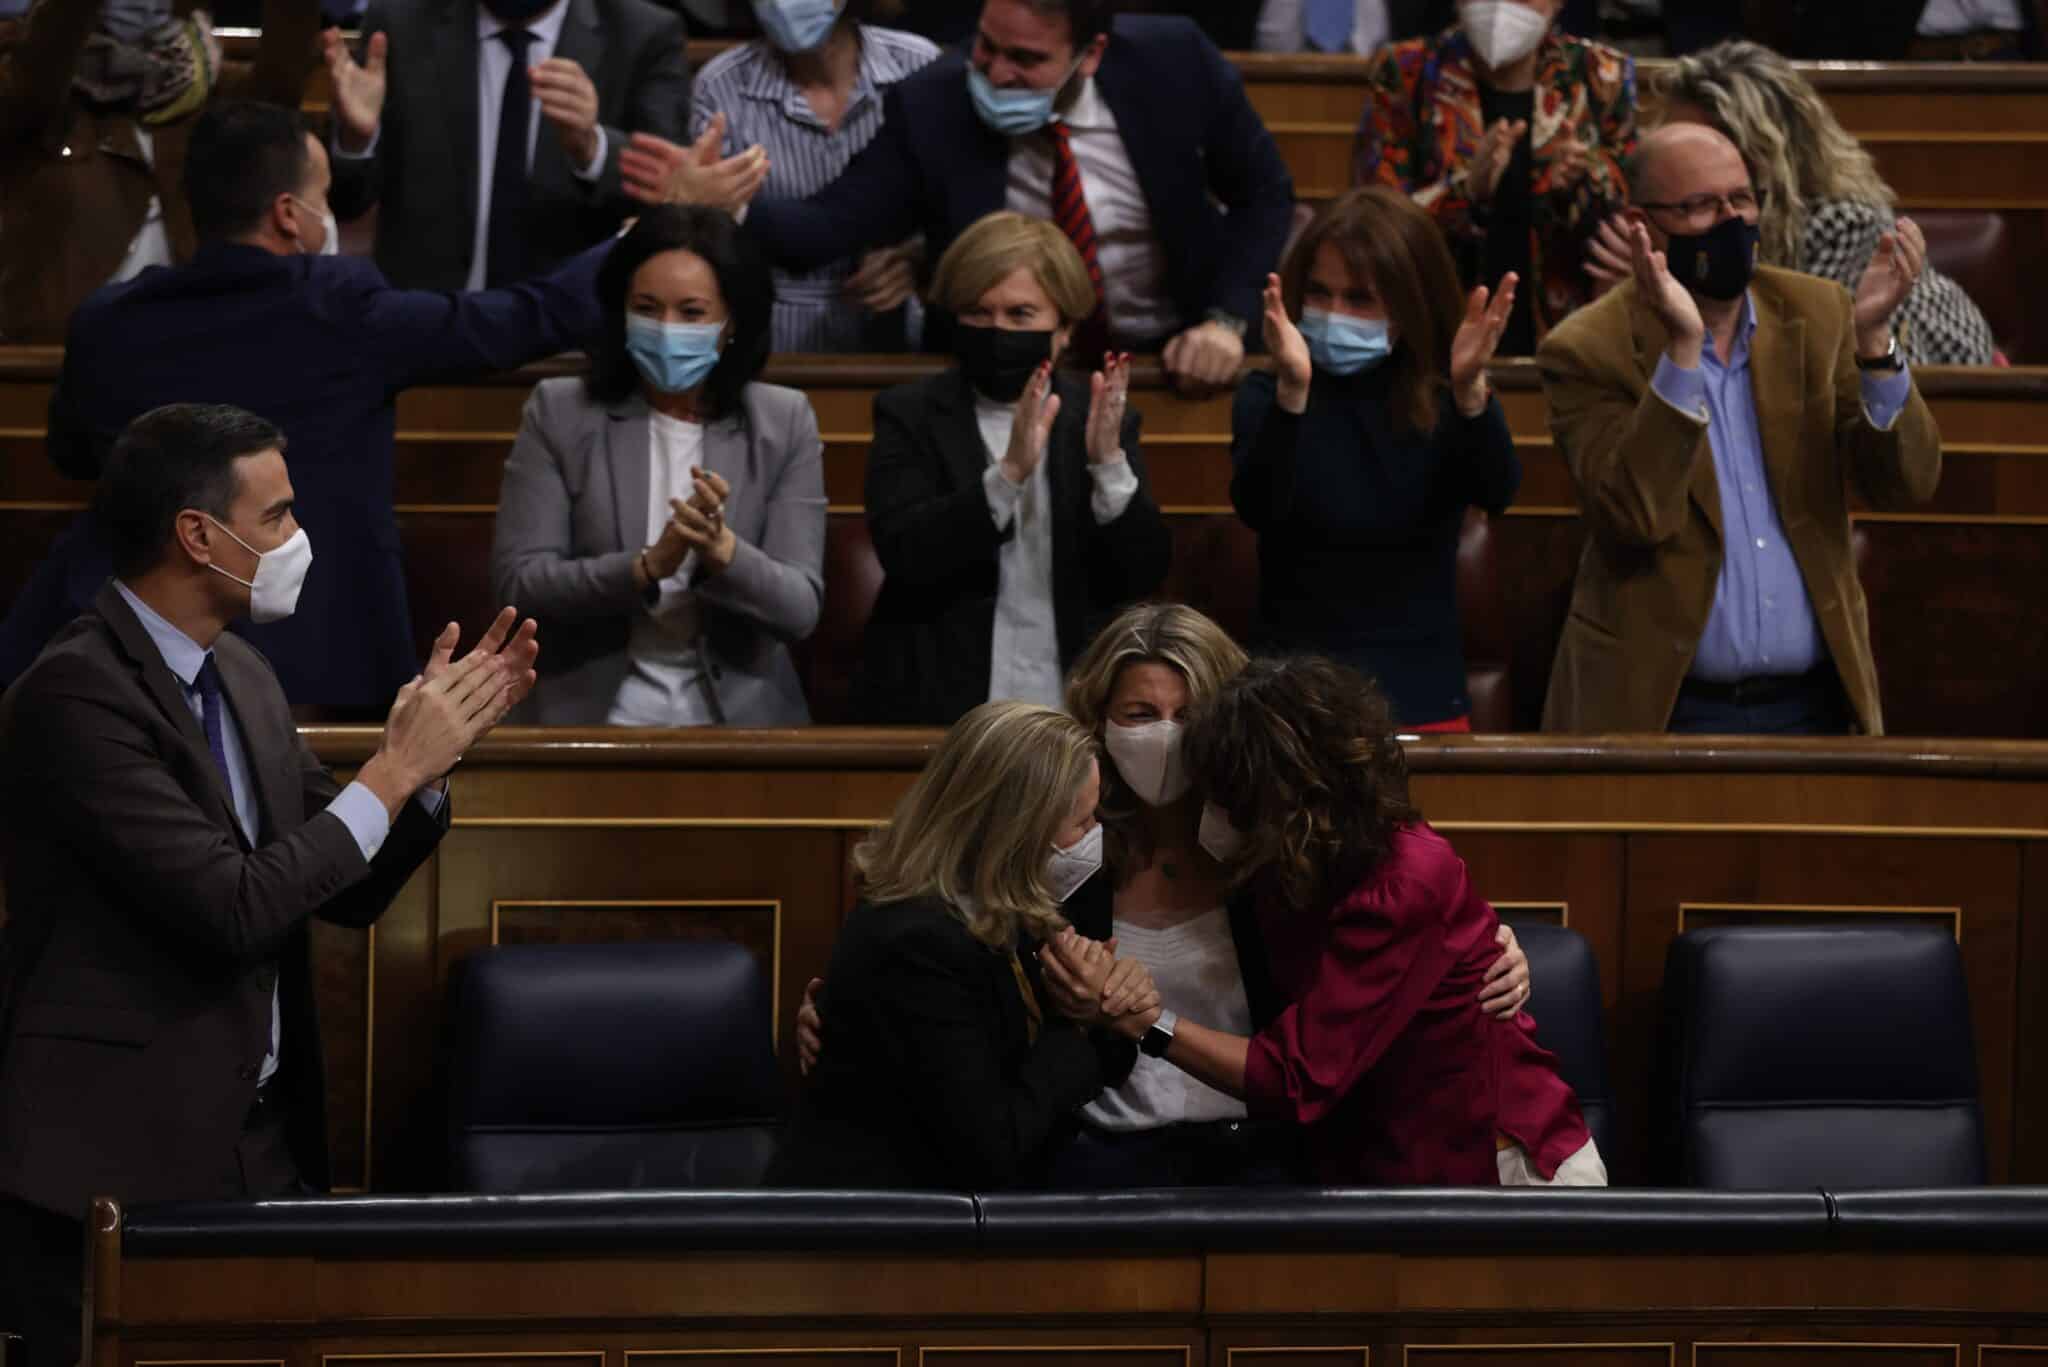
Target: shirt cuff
<point x="334" y="147"/>
<point x="1001" y="494"/>
<point x="364" y="815"/>
<point x="1884" y="395"/>
<point x="1116" y="483"/>
<point x="1684" y="389"/>
<point x="596" y="166"/>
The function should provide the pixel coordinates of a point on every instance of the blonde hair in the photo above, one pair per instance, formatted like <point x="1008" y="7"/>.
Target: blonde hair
<point x="1797" y="151"/>
<point x="997" y="244"/>
<point x="1170" y="634"/>
<point x="976" y="828"/>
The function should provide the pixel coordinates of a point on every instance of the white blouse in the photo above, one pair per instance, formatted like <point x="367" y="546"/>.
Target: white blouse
<point x="665" y="685"/>
<point x="1194" y="965"/>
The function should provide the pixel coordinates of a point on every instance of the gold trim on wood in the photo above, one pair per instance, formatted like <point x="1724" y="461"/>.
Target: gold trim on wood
<point x="1408" y="1350"/>
<point x="1364" y="1352"/>
<point x="794" y="1350"/>
<point x="773" y="904"/>
<point x="369" y="1057"/>
<point x="1954" y="915"/>
<point x="1186" y="1353"/>
<point x="209" y="1362"/>
<point x="1852" y="1345"/>
<point x="1982" y="1348"/>
<point x="1564" y="909"/>
<point x="466" y="1356"/>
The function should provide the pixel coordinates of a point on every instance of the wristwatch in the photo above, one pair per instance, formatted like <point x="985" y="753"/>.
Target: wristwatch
<point x="1891" y="360"/>
<point x="1158" y="1036"/>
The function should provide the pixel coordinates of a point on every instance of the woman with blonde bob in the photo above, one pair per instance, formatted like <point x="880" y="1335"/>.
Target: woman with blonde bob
<point x="1825" y="207"/>
<point x="1007" y="500"/>
<point x="947" y="1069"/>
<point x="1377" y="943"/>
<point x="1166" y="905"/>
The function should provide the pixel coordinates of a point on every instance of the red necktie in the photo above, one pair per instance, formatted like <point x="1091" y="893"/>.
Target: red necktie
<point x="1070" y="213"/>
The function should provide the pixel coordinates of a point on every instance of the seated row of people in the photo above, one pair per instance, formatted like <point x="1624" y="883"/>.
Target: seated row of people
<point x="1190" y="931"/>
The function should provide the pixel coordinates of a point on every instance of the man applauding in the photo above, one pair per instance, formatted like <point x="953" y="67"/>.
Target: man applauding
<point x="168" y="837"/>
<point x="1715" y="417"/>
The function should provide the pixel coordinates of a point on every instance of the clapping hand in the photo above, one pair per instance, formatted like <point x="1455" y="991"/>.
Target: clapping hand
<point x="568" y="100"/>
<point x="1668" y="300"/>
<point x="700" y="519"/>
<point x="516" y="652"/>
<point x="1478" y="337"/>
<point x="1292" y="366"/>
<point x="1608" y="254"/>
<point x="1491" y="157"/>
<point x="358" y="98"/>
<point x="1032" y="428"/>
<point x="449" y="706"/>
<point x="1107" y="392"/>
<point x="654" y="170"/>
<point x="1893" y="271"/>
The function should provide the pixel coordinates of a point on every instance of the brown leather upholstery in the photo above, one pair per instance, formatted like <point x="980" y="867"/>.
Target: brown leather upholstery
<point x="1983" y="252"/>
<point x="1215" y="568"/>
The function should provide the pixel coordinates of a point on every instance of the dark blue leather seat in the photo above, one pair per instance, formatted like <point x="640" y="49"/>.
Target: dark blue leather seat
<point x="1564" y="999"/>
<point x="611" y="1067"/>
<point x="1837" y="1057"/>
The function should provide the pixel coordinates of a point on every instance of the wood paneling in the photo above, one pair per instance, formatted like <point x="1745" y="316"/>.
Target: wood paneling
<point x="1538" y="1355"/>
<point x="1769" y="1354"/>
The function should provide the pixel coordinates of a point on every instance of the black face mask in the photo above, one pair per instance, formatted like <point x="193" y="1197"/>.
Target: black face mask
<point x="999" y="362"/>
<point x="516" y="11"/>
<point x="1718" y="263"/>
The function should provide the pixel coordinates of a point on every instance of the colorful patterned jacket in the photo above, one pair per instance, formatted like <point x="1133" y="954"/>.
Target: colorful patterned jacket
<point x="1422" y="122"/>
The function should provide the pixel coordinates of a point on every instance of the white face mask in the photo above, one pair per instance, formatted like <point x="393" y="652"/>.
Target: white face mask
<point x="331" y="244"/>
<point x="280" y="574"/>
<point x="1148" y="758"/>
<point x="1502" y="32"/>
<point x="1069" y="868"/>
<point x="1222" y="841"/>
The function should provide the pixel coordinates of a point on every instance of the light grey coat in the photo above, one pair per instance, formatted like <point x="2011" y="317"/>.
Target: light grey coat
<point x="572" y="516"/>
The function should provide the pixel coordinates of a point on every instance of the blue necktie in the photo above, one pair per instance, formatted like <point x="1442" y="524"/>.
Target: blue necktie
<point x="505" y="244"/>
<point x="1327" y="24"/>
<point x="213" y="718"/>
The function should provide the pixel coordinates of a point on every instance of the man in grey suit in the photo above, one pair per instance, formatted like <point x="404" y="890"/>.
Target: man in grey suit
<point x="167" y="838"/>
<point x="488" y="137"/>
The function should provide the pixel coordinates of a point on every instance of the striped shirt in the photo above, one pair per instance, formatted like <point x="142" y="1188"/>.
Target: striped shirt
<point x="750" y="85"/>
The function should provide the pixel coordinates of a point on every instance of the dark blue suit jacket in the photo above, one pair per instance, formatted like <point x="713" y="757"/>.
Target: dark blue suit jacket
<point x="935" y="168"/>
<point x="321" y="346"/>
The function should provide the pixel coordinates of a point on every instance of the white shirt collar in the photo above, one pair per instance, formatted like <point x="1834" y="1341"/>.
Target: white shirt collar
<point x="546" y="28"/>
<point x="1087" y="111"/>
<point x="184" y="655"/>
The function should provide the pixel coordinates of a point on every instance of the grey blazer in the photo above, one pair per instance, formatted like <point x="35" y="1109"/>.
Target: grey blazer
<point x="423" y="176"/>
<point x="572" y="515"/>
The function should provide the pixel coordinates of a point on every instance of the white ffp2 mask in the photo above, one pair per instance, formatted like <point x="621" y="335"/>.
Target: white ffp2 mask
<point x="1502" y="31"/>
<point x="280" y="574"/>
<point x="1067" y="869"/>
<point x="1148" y="760"/>
<point x="1223" y="841"/>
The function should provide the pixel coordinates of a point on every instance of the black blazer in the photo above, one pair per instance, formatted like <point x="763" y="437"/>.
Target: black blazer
<point x="422" y="178"/>
<point x="932" y="1079"/>
<point x="925" y="657"/>
<point x="320" y="346"/>
<point x="935" y="168"/>
<point x="144" y="935"/>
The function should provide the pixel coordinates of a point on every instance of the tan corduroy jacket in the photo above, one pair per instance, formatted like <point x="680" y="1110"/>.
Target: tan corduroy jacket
<point x="1645" y="477"/>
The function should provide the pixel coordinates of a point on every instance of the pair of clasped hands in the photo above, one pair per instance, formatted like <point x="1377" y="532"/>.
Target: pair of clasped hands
<point x="1091" y="987"/>
<point x="696" y="523"/>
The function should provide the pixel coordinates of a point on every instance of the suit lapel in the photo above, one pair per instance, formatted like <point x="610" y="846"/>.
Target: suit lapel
<point x="168" y="694"/>
<point x="627" y="439"/>
<point x="452" y="66"/>
<point x="725" y="452"/>
<point x="581" y="42"/>
<point x="959" y="431"/>
<point x="1777" y="380"/>
<point x="1650" y="341"/>
<point x="244" y="688"/>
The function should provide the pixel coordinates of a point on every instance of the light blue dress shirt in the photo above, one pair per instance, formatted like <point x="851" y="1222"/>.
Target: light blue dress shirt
<point x="1762" y="620"/>
<point x="358" y="808"/>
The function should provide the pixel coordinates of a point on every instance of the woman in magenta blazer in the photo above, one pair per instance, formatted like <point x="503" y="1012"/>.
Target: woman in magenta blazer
<point x="1378" y="944"/>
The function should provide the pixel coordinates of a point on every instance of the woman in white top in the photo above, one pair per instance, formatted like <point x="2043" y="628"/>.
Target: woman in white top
<point x="1161" y="901"/>
<point x="664" y="517"/>
<point x="808" y="93"/>
<point x="1007" y="499"/>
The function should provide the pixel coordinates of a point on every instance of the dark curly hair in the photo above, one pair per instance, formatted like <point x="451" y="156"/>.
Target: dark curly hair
<point x="743" y="279"/>
<point x="1300" y="753"/>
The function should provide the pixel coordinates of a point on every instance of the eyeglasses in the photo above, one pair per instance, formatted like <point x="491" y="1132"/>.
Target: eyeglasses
<point x="1702" y="209"/>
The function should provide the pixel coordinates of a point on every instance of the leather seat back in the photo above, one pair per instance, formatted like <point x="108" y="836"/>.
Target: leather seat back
<point x="1983" y="251"/>
<point x="1840" y="1057"/>
<point x="611" y="1067"/>
<point x="1564" y="1000"/>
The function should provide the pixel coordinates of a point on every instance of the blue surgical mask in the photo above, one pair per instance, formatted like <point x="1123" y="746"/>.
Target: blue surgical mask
<point x="1013" y="113"/>
<point x="796" y="25"/>
<point x="1344" y="345"/>
<point x="673" y="356"/>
